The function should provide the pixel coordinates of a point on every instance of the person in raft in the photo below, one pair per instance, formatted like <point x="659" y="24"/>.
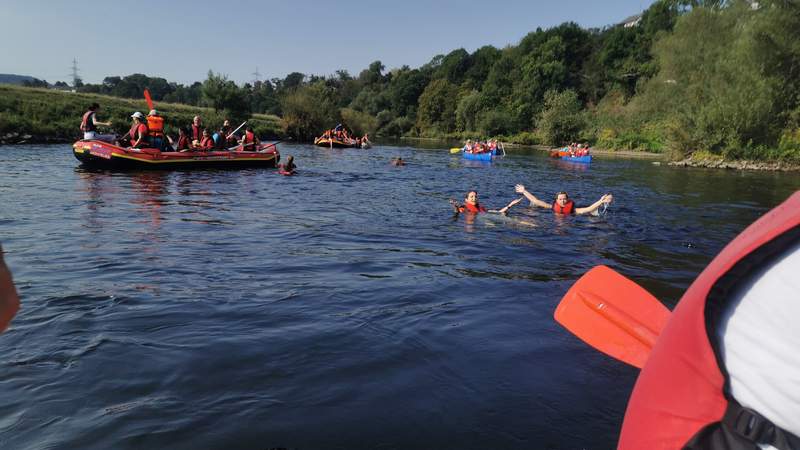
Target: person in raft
<point x="89" y="125"/>
<point x="563" y="204"/>
<point x="9" y="300"/>
<point x="137" y="135"/>
<point x="206" y="143"/>
<point x="249" y="142"/>
<point x="155" y="130"/>
<point x="471" y="205"/>
<point x="184" y="144"/>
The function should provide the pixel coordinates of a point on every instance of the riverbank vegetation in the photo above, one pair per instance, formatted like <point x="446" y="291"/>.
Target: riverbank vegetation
<point x="47" y="115"/>
<point x="717" y="77"/>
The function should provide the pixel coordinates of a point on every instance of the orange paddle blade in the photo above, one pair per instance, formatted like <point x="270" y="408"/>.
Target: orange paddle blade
<point x="613" y="314"/>
<point x="149" y="100"/>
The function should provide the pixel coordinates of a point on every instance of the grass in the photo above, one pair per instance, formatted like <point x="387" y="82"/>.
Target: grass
<point x="48" y="114"/>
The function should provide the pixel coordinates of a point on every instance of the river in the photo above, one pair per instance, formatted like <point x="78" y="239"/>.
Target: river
<point x="345" y="307"/>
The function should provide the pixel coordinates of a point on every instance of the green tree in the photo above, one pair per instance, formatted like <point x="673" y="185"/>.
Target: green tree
<point x="724" y="79"/>
<point x="562" y="118"/>
<point x="307" y="110"/>
<point x="223" y="94"/>
<point x="467" y="111"/>
<point x="359" y="122"/>
<point x="437" y="107"/>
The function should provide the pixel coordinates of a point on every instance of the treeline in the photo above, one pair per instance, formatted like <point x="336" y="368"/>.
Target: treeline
<point x="715" y="76"/>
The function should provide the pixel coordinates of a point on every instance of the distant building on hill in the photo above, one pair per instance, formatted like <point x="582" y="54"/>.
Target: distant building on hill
<point x="632" y="21"/>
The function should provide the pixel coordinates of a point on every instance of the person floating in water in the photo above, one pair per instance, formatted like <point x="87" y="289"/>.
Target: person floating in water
<point x="562" y="203"/>
<point x="471" y="205"/>
<point x="398" y="161"/>
<point x="287" y="168"/>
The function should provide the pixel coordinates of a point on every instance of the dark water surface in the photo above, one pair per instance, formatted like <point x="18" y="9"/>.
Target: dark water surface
<point x="342" y="308"/>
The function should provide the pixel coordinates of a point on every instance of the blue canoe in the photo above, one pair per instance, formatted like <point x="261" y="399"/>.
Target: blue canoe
<point x="486" y="156"/>
<point x="578" y="159"/>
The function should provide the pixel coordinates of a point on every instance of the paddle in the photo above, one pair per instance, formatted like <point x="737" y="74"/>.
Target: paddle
<point x="148" y="99"/>
<point x="613" y="314"/>
<point x="273" y="144"/>
<point x="456" y="149"/>
<point x="237" y="128"/>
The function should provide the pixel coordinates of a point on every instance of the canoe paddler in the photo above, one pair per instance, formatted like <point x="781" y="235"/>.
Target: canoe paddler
<point x="563" y="204"/>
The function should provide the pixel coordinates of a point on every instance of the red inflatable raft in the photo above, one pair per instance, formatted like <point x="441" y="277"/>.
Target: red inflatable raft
<point x="102" y="155"/>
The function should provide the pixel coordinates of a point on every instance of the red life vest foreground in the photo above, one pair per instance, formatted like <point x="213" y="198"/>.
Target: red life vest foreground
<point x="470" y="208"/>
<point x="569" y="208"/>
<point x="681" y="399"/>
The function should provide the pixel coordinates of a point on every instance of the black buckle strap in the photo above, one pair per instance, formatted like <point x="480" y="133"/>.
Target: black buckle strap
<point x="756" y="428"/>
<point x="753" y="426"/>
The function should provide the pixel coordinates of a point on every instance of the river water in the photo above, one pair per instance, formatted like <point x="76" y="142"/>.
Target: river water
<point x="345" y="307"/>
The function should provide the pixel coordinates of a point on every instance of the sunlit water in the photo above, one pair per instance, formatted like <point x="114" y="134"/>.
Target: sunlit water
<point x="345" y="307"/>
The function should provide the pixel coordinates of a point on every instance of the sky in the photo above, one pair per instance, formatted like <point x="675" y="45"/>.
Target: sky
<point x="182" y="40"/>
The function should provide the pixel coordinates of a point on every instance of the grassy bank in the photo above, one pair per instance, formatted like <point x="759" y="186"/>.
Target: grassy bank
<point x="48" y="115"/>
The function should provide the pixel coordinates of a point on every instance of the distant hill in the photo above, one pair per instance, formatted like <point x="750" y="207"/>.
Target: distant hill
<point x="6" y="78"/>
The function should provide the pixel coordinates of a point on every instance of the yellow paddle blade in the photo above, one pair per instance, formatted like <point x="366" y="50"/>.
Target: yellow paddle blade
<point x="455" y="149"/>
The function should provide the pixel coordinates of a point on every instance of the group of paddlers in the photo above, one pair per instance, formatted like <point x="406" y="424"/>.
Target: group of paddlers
<point x="482" y="146"/>
<point x="148" y="132"/>
<point x="341" y="134"/>
<point x="574" y="149"/>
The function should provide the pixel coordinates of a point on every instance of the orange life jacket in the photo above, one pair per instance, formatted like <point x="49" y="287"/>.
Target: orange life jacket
<point x="87" y="124"/>
<point x="155" y="126"/>
<point x="569" y="208"/>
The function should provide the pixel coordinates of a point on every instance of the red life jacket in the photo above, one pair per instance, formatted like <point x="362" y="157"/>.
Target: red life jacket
<point x="470" y="208"/>
<point x="183" y="143"/>
<point x="87" y="122"/>
<point x="569" y="208"/>
<point x="138" y="130"/>
<point x="680" y="398"/>
<point x="249" y="141"/>
<point x="197" y="132"/>
<point x="207" y="143"/>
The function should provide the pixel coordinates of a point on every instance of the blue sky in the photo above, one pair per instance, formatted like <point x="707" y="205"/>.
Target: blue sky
<point x="181" y="40"/>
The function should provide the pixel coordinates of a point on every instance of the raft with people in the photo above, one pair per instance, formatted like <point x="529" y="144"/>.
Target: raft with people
<point x="479" y="151"/>
<point x="104" y="155"/>
<point x="579" y="153"/>
<point x="324" y="141"/>
<point x="339" y="137"/>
